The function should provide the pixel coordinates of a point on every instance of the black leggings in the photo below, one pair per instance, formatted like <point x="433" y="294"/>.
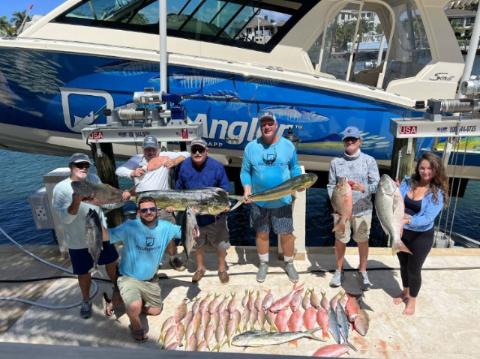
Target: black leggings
<point x="419" y="244"/>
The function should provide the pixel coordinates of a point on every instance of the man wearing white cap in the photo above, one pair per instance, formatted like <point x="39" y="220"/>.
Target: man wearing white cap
<point x="72" y="210"/>
<point x="267" y="162"/>
<point x="150" y="171"/>
<point x="361" y="170"/>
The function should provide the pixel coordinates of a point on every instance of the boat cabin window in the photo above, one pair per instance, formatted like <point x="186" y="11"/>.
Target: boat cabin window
<point x="258" y="25"/>
<point x="372" y="43"/>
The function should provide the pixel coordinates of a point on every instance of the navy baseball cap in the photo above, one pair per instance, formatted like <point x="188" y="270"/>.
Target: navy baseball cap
<point x="150" y="142"/>
<point x="351" y="131"/>
<point x="78" y="158"/>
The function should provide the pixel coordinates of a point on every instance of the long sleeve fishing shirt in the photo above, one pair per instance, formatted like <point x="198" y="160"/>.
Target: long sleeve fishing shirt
<point x="267" y="166"/>
<point x="360" y="168"/>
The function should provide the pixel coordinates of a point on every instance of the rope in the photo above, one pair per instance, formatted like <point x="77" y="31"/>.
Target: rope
<point x="53" y="265"/>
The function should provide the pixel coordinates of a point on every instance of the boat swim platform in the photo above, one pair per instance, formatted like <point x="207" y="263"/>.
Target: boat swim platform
<point x="441" y="327"/>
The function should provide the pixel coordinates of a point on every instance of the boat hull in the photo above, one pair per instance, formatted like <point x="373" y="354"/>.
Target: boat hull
<point x="47" y="95"/>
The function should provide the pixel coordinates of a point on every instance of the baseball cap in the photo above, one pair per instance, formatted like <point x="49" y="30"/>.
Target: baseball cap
<point x="129" y="208"/>
<point x="351" y="131"/>
<point x="79" y="157"/>
<point x="198" y="142"/>
<point x="150" y="142"/>
<point x="267" y="116"/>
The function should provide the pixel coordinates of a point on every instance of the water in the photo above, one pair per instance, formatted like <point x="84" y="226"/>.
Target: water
<point x="23" y="175"/>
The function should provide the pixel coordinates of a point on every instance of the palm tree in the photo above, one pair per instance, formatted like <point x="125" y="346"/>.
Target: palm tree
<point x="18" y="18"/>
<point x="5" y="28"/>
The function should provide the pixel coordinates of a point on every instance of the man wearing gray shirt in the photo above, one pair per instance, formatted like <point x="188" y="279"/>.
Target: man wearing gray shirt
<point x="361" y="170"/>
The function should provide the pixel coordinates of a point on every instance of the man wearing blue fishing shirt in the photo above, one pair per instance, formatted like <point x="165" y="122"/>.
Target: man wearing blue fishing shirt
<point x="144" y="242"/>
<point x="267" y="162"/>
<point x="200" y="171"/>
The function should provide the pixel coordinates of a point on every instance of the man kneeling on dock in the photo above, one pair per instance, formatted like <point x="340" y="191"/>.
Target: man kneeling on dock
<point x="144" y="240"/>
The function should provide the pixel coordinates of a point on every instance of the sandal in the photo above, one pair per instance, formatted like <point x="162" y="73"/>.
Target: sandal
<point x="199" y="273"/>
<point x="108" y="311"/>
<point x="139" y="335"/>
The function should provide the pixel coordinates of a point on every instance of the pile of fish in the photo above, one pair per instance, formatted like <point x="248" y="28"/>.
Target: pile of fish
<point x="256" y="320"/>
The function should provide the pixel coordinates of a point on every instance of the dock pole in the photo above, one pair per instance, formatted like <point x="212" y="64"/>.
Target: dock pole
<point x="103" y="157"/>
<point x="403" y="157"/>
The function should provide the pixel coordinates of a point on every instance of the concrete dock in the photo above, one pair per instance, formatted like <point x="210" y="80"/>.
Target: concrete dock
<point x="444" y="325"/>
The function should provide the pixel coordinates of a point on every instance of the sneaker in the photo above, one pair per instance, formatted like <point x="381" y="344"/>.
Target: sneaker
<point x="336" y="279"/>
<point x="177" y="264"/>
<point x="86" y="310"/>
<point x="262" y="272"/>
<point x="366" y="284"/>
<point x="291" y="272"/>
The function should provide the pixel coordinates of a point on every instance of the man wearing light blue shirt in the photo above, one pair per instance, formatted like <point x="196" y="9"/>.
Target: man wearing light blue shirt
<point x="269" y="161"/>
<point x="144" y="240"/>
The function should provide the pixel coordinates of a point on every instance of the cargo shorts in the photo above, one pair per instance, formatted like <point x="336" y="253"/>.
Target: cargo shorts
<point x="132" y="290"/>
<point x="358" y="227"/>
<point x="216" y="234"/>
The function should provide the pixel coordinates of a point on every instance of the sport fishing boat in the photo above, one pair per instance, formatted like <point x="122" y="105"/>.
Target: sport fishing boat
<point x="230" y="60"/>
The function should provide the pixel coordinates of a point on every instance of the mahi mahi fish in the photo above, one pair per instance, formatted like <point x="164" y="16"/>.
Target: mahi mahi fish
<point x="93" y="235"/>
<point x="100" y="193"/>
<point x="342" y="205"/>
<point x="390" y="211"/>
<point x="209" y="200"/>
<point x="260" y="338"/>
<point x="290" y="186"/>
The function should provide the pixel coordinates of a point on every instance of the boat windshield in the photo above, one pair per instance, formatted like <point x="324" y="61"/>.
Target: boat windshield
<point x="258" y="25"/>
<point x="372" y="43"/>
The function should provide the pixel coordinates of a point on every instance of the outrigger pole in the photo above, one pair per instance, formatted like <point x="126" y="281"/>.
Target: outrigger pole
<point x="472" y="49"/>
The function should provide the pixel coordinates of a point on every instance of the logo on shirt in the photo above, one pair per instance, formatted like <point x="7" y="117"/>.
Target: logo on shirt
<point x="149" y="241"/>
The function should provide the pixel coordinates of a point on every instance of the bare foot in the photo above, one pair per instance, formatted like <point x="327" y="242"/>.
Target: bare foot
<point x="409" y="307"/>
<point x="400" y="299"/>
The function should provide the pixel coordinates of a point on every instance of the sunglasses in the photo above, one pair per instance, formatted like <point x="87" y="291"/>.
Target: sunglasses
<point x="197" y="149"/>
<point x="149" y="209"/>
<point x="350" y="139"/>
<point x="82" y="165"/>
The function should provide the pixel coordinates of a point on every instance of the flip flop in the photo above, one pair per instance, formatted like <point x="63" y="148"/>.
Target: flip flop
<point x="108" y="305"/>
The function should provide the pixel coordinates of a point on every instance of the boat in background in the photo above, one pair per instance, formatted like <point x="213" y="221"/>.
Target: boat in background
<point x="230" y="60"/>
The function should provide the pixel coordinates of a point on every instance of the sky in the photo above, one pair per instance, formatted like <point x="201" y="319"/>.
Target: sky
<point x="40" y="7"/>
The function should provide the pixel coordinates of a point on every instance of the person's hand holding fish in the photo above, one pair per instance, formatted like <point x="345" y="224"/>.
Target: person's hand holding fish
<point x="246" y="194"/>
<point x="138" y="172"/>
<point x="356" y="186"/>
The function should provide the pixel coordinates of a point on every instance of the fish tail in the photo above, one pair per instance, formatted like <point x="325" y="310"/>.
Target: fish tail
<point x="238" y="204"/>
<point x="351" y="345"/>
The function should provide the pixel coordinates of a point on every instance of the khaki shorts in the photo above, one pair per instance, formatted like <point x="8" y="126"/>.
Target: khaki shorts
<point x="132" y="290"/>
<point x="216" y="234"/>
<point x="360" y="226"/>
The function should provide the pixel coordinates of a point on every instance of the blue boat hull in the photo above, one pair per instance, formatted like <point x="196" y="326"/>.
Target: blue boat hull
<point x="65" y="92"/>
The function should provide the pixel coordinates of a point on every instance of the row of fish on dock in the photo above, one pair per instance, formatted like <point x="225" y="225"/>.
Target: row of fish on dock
<point x="260" y="320"/>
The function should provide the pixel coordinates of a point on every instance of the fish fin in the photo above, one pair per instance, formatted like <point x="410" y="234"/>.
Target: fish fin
<point x="314" y="334"/>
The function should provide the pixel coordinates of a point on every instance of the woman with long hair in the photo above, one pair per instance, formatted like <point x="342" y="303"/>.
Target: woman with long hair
<point x="425" y="193"/>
